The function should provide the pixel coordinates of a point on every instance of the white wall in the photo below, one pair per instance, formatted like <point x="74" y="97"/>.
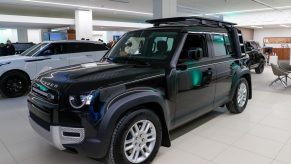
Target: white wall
<point x="106" y="36"/>
<point x="100" y="35"/>
<point x="260" y="34"/>
<point x="110" y="34"/>
<point x="34" y="35"/>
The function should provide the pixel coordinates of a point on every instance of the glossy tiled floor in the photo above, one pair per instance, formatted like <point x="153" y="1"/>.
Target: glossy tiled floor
<point x="261" y="135"/>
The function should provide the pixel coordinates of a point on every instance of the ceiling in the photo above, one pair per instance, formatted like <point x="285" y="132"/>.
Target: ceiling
<point x="141" y="10"/>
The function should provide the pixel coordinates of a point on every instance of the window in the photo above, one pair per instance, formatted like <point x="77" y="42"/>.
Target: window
<point x="34" y="49"/>
<point x="97" y="47"/>
<point x="169" y="41"/>
<point x="145" y="45"/>
<point x="55" y="49"/>
<point x="222" y="45"/>
<point x="194" y="42"/>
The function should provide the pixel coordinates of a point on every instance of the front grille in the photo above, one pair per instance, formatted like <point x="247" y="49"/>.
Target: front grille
<point x="48" y="95"/>
<point x="39" y="121"/>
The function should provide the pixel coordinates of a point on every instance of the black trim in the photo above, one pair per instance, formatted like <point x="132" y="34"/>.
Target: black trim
<point x="34" y="60"/>
<point x="39" y="121"/>
<point x="190" y="21"/>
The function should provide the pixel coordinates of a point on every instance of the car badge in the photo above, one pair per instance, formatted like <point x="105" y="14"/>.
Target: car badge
<point x="42" y="88"/>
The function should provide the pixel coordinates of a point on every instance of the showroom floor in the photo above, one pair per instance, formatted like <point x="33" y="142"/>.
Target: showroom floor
<point x="261" y="135"/>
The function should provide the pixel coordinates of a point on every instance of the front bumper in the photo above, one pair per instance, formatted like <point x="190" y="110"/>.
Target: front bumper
<point x="59" y="136"/>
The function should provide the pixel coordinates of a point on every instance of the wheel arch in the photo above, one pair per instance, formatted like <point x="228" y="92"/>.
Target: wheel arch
<point x="125" y="103"/>
<point x="242" y="74"/>
<point x="17" y="71"/>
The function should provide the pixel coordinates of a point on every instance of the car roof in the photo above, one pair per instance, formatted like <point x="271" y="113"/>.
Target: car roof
<point x="73" y="41"/>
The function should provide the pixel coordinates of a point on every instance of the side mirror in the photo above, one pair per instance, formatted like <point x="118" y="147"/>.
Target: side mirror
<point x="195" y="54"/>
<point x="48" y="52"/>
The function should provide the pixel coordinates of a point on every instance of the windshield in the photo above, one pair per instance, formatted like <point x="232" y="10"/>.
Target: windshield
<point x="144" y="46"/>
<point x="32" y="50"/>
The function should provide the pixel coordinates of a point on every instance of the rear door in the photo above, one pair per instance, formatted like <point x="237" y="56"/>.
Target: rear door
<point x="54" y="56"/>
<point x="224" y="63"/>
<point x="195" y="85"/>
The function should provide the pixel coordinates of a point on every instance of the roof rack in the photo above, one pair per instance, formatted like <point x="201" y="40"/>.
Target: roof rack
<point x="190" y="21"/>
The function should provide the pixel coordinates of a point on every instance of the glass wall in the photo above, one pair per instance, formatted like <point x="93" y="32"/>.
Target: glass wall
<point x="6" y="34"/>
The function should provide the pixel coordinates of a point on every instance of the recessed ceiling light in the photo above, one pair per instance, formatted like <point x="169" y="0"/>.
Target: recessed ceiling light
<point x="256" y="26"/>
<point x="282" y="25"/>
<point x="87" y="7"/>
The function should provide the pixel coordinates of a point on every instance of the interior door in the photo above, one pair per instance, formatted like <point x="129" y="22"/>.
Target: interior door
<point x="196" y="88"/>
<point x="54" y="56"/>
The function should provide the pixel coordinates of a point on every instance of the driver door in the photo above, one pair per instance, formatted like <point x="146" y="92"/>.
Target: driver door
<point x="195" y="84"/>
<point x="54" y="56"/>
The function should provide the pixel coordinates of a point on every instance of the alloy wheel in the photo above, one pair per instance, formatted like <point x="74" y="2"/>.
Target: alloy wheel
<point x="14" y="85"/>
<point x="140" y="141"/>
<point x="242" y="94"/>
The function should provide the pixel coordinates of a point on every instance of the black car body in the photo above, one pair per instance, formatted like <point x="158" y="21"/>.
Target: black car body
<point x="191" y="70"/>
<point x="256" y="58"/>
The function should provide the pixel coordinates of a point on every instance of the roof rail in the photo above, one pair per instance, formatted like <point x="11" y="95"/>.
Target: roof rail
<point x="190" y="21"/>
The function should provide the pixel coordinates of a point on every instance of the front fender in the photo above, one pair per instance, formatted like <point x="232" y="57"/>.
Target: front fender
<point x="128" y="101"/>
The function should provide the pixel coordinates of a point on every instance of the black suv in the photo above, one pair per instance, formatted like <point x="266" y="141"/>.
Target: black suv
<point x="151" y="82"/>
<point x="256" y="58"/>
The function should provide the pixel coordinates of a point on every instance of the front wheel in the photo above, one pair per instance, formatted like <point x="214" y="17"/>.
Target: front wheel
<point x="136" y="138"/>
<point x="240" y="99"/>
<point x="14" y="84"/>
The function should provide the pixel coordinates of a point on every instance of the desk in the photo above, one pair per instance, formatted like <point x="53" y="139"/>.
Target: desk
<point x="282" y="53"/>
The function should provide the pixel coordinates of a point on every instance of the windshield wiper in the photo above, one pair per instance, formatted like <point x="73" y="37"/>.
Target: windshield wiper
<point x="108" y="58"/>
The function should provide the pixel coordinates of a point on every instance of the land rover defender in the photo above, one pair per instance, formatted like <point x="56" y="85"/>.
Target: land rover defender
<point x="151" y="82"/>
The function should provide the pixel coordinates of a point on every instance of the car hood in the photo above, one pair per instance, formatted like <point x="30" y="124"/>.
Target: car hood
<point x="13" y="58"/>
<point x="91" y="76"/>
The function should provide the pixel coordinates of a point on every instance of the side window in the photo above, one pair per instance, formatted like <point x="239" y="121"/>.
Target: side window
<point x="54" y="49"/>
<point x="80" y="47"/>
<point x="97" y="47"/>
<point x="195" y="48"/>
<point x="222" y="45"/>
<point x="163" y="40"/>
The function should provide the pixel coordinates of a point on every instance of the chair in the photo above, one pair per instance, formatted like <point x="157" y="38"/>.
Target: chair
<point x="281" y="74"/>
<point x="285" y="66"/>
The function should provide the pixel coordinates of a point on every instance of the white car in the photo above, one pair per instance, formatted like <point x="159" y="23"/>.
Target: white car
<point x="17" y="71"/>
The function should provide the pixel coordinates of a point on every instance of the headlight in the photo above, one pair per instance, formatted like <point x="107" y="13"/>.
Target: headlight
<point x="78" y="102"/>
<point x="4" y="63"/>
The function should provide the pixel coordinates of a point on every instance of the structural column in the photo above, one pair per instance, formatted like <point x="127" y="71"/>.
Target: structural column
<point x="84" y="24"/>
<point x="164" y="8"/>
<point x="22" y="35"/>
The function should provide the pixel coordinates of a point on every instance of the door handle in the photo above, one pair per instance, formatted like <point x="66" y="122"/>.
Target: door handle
<point x="89" y="55"/>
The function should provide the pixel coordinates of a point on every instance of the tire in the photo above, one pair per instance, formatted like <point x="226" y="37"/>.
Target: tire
<point x="14" y="84"/>
<point x="235" y="106"/>
<point x="260" y="68"/>
<point x="117" y="153"/>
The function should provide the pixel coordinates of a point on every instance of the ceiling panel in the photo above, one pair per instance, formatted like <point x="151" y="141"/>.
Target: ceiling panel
<point x="185" y="7"/>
